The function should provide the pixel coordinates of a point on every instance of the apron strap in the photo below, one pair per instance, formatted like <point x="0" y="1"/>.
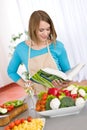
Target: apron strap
<point x="29" y="59"/>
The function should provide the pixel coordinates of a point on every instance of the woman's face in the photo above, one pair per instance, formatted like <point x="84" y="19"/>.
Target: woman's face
<point x="43" y="31"/>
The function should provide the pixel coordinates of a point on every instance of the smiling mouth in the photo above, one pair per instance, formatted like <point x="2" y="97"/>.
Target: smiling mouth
<point x="44" y="37"/>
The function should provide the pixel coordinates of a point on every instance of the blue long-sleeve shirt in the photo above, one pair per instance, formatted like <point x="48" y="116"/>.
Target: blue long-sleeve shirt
<point x="20" y="56"/>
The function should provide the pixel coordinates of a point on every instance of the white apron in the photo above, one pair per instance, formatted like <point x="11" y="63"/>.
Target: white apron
<point x="37" y="63"/>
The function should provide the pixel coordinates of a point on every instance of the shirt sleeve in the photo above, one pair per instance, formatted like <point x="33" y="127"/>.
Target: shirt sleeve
<point x="13" y="67"/>
<point x="60" y="56"/>
<point x="63" y="59"/>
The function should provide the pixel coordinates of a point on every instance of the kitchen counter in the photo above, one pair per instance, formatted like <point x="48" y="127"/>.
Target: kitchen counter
<point x="70" y="122"/>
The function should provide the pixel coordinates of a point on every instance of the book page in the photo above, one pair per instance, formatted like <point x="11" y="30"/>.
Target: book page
<point x="56" y="72"/>
<point x="74" y="71"/>
<point x="69" y="75"/>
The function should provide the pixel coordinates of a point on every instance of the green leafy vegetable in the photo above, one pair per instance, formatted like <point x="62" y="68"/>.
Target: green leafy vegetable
<point x="40" y="95"/>
<point x="83" y="87"/>
<point x="50" y="97"/>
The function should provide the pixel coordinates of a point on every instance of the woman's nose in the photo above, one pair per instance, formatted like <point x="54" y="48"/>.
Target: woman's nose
<point x="46" y="33"/>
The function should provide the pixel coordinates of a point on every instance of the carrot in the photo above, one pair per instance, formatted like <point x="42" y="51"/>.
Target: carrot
<point x="38" y="108"/>
<point x="44" y="96"/>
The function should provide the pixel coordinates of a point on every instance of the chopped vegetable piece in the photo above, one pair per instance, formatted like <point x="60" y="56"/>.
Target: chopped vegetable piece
<point x="3" y="110"/>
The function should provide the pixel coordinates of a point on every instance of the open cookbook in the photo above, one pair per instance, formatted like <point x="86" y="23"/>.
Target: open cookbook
<point x="47" y="75"/>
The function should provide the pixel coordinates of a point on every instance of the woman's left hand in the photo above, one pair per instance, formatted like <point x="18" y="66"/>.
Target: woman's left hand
<point x="61" y="83"/>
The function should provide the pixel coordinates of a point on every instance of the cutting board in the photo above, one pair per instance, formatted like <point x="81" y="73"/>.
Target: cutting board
<point x="6" y="118"/>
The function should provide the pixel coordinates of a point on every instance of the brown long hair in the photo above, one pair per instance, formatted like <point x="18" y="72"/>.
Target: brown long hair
<point x="34" y="22"/>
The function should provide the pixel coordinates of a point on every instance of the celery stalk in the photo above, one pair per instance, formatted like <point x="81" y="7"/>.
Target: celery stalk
<point x="38" y="79"/>
<point x="44" y="78"/>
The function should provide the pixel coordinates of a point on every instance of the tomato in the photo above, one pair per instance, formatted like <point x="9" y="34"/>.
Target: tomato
<point x="74" y="96"/>
<point x="67" y="93"/>
<point x="38" y="108"/>
<point x="22" y="120"/>
<point x="29" y="119"/>
<point x="43" y="102"/>
<point x="7" y="128"/>
<point x="10" y="108"/>
<point x="17" y="122"/>
<point x="11" y="125"/>
<point x="4" y="106"/>
<point x="53" y="91"/>
<point x="58" y="94"/>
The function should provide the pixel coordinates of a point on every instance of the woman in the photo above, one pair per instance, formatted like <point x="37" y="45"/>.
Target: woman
<point x="41" y="51"/>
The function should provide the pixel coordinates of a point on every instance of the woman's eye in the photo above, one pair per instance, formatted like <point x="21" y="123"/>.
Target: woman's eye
<point x="41" y="30"/>
<point x="48" y="29"/>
